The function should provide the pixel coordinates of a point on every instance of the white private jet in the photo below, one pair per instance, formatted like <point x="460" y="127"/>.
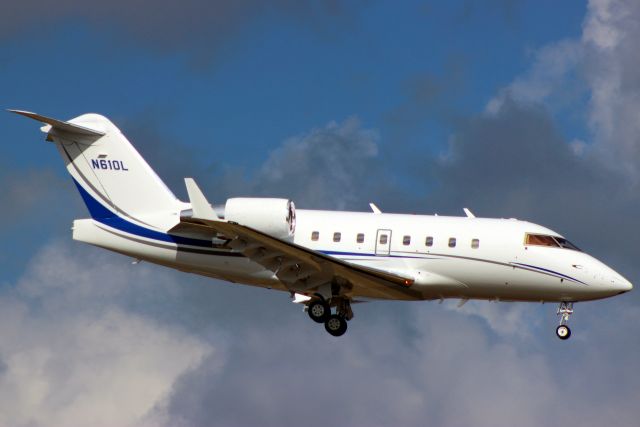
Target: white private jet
<point x="324" y="259"/>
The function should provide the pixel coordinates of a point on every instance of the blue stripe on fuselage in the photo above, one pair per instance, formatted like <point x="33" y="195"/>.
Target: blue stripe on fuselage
<point x="564" y="276"/>
<point x="340" y="253"/>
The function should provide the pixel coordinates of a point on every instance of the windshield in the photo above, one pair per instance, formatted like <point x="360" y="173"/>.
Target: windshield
<point x="552" y="241"/>
<point x="564" y="243"/>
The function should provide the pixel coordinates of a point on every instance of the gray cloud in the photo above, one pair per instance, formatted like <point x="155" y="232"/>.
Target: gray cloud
<point x="201" y="28"/>
<point x="516" y="164"/>
<point x="74" y="354"/>
<point x="326" y="167"/>
<point x="513" y="160"/>
<point x="35" y="203"/>
<point x="451" y="379"/>
<point x="181" y="350"/>
<point x="86" y="335"/>
<point x="25" y="192"/>
<point x="600" y="66"/>
<point x="501" y="160"/>
<point x="428" y="97"/>
<point x="337" y="166"/>
<point x="158" y="146"/>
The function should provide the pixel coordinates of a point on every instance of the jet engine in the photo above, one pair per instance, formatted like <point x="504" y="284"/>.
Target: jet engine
<point x="276" y="217"/>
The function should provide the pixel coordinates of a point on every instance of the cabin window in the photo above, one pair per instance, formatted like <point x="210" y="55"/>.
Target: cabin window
<point x="428" y="241"/>
<point x="315" y="236"/>
<point x="383" y="239"/>
<point x="337" y="236"/>
<point x="406" y="240"/>
<point x="452" y="242"/>
<point x="360" y="238"/>
<point x="475" y="243"/>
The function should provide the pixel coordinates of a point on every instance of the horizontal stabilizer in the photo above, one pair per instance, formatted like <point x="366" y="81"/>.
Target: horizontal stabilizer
<point x="59" y="124"/>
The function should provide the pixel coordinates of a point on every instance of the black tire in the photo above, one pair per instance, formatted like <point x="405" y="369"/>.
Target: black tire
<point x="319" y="311"/>
<point x="336" y="325"/>
<point x="563" y="332"/>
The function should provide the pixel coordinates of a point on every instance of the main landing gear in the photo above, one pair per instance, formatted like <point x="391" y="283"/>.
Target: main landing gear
<point x="565" y="309"/>
<point x="319" y="311"/>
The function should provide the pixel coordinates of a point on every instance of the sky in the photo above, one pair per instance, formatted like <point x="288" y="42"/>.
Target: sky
<point x="511" y="108"/>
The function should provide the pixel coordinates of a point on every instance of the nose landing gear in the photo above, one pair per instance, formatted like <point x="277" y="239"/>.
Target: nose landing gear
<point x="565" y="309"/>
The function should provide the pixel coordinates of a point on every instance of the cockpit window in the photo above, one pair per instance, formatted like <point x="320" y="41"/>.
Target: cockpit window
<point x="552" y="241"/>
<point x="564" y="243"/>
<point x="541" y="240"/>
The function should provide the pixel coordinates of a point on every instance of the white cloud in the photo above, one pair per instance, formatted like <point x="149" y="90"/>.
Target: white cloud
<point x="601" y="24"/>
<point x="406" y="365"/>
<point x="76" y="349"/>
<point x="600" y="65"/>
<point x="86" y="339"/>
<point x="327" y="167"/>
<point x="506" y="319"/>
<point x="578" y="147"/>
<point x="73" y="355"/>
<point x="550" y="75"/>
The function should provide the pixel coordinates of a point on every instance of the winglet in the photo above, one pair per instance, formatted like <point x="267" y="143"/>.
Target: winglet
<point x="199" y="204"/>
<point x="374" y="208"/>
<point x="469" y="213"/>
<point x="59" y="124"/>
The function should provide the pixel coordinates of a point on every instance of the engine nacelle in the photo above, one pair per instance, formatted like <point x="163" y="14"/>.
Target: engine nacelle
<point x="276" y="217"/>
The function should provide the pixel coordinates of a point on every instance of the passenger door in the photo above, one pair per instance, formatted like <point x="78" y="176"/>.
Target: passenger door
<point x="383" y="242"/>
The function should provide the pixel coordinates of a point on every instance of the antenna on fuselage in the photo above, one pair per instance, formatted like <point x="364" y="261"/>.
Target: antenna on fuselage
<point x="468" y="213"/>
<point x="375" y="209"/>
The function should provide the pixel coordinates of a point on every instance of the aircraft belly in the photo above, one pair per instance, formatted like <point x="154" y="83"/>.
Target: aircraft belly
<point x="217" y="264"/>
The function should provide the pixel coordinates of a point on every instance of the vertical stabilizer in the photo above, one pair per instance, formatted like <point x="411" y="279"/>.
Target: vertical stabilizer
<point x="112" y="177"/>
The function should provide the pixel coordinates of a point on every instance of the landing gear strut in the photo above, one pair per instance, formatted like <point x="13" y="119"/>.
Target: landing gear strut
<point x="565" y="309"/>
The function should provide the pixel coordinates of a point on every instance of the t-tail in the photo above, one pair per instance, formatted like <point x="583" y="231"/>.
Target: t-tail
<point x="116" y="183"/>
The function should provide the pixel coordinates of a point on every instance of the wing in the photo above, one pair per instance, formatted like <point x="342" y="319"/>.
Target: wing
<point x="300" y="269"/>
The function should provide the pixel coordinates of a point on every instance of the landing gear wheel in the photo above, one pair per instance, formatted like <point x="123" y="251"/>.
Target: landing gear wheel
<point x="565" y="310"/>
<point x="336" y="325"/>
<point x="563" y="332"/>
<point x="319" y="311"/>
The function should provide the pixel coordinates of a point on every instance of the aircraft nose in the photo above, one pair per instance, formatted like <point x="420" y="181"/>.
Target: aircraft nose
<point x="607" y="279"/>
<point x="622" y="284"/>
